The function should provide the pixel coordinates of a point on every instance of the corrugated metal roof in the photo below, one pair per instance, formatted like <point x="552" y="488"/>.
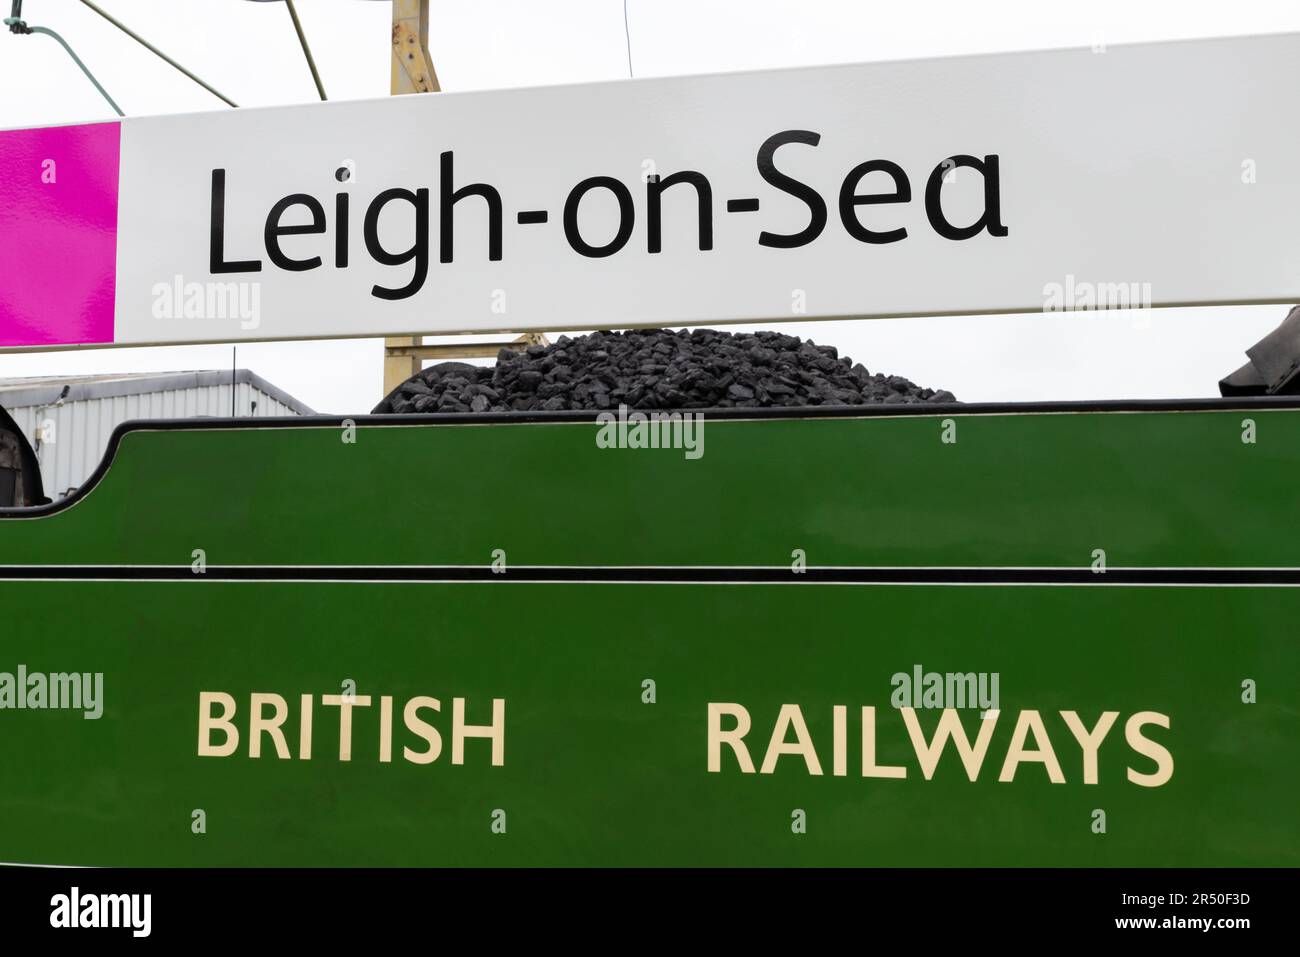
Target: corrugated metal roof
<point x="45" y="390"/>
<point x="68" y="420"/>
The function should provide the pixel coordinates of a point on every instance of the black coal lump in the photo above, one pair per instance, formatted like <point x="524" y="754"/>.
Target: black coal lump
<point x="656" y="369"/>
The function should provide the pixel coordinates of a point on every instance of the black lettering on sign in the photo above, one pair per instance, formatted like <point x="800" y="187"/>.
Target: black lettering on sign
<point x="873" y="183"/>
<point x="788" y="184"/>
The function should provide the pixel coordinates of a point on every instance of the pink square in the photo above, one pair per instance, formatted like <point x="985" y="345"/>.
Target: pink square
<point x="58" y="234"/>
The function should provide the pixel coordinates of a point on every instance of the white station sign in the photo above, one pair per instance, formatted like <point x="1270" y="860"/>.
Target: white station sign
<point x="1162" y="174"/>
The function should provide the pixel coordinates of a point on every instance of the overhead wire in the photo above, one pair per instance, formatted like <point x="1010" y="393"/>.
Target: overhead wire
<point x="158" y="53"/>
<point x="627" y="35"/>
<point x="18" y="25"/>
<point x="306" y="50"/>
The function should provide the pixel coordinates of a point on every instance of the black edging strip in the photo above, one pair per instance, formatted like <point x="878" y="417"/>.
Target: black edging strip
<point x="657" y="574"/>
<point x="880" y="411"/>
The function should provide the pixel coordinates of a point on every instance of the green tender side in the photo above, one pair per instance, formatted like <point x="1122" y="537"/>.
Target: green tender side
<point x="590" y="772"/>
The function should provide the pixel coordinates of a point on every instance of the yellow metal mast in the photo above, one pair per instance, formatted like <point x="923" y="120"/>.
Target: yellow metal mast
<point x="412" y="72"/>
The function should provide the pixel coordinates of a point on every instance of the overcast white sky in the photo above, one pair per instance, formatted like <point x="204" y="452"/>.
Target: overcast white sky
<point x="249" y="52"/>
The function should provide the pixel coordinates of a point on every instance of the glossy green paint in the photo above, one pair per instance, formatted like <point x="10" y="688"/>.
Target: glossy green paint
<point x="1039" y="489"/>
<point x="592" y="774"/>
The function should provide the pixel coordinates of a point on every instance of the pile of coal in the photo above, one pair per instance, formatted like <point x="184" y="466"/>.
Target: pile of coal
<point x="655" y="369"/>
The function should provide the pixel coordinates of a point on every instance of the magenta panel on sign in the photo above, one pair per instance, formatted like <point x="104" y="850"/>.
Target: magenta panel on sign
<point x="58" y="234"/>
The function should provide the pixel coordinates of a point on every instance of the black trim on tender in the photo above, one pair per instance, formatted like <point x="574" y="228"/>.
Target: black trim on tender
<point x="662" y="574"/>
<point x="881" y="411"/>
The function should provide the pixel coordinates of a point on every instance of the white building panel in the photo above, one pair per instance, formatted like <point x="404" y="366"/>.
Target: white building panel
<point x="69" y="421"/>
